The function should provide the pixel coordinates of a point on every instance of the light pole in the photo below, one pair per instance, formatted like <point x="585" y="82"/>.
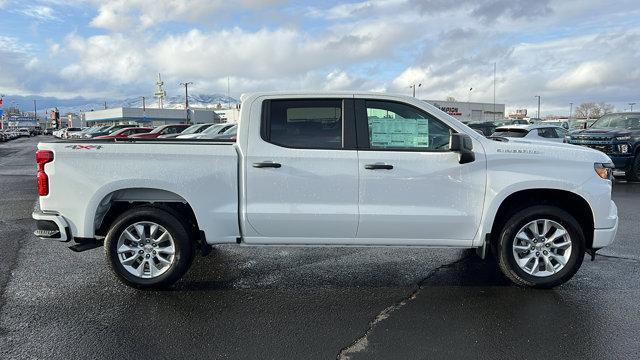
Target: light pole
<point x="186" y="98"/>
<point x="538" y="116"/>
<point x="413" y="86"/>
<point x="570" y="110"/>
<point x="631" y="106"/>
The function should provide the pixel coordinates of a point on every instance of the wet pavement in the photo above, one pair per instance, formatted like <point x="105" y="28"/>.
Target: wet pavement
<point x="306" y="303"/>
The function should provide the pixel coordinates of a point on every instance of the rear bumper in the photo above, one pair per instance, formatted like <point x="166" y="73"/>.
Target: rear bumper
<point x="51" y="226"/>
<point x="604" y="237"/>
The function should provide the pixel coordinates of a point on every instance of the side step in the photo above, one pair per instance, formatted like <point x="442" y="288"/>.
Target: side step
<point x="84" y="244"/>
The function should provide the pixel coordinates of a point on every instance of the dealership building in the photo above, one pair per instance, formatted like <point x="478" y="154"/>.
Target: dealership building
<point x="157" y="117"/>
<point x="470" y="112"/>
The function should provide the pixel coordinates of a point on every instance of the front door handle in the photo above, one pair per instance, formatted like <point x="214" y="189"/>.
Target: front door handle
<point x="266" y="164"/>
<point x="378" y="166"/>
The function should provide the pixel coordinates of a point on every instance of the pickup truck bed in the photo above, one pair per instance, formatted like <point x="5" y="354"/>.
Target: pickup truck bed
<point x="200" y="171"/>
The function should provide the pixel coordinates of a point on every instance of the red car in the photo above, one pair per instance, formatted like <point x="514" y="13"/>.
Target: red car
<point x="161" y="130"/>
<point x="125" y="132"/>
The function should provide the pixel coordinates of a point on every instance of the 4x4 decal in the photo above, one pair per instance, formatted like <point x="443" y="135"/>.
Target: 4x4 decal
<point x="83" y="147"/>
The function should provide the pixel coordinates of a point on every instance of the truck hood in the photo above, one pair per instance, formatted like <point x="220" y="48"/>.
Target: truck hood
<point x="608" y="133"/>
<point x="552" y="150"/>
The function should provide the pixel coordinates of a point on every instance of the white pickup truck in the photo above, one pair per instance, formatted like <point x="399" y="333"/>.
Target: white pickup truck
<point x="329" y="169"/>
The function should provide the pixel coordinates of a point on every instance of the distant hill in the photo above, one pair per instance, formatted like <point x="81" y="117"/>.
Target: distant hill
<point x="81" y="104"/>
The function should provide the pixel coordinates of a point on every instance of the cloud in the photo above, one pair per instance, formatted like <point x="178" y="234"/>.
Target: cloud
<point x="126" y="15"/>
<point x="38" y="12"/>
<point x="568" y="50"/>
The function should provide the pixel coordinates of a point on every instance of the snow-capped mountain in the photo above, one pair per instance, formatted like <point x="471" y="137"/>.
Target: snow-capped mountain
<point x="75" y="105"/>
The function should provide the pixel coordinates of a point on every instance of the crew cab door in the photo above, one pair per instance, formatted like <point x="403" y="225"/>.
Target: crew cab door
<point x="413" y="190"/>
<point x="302" y="173"/>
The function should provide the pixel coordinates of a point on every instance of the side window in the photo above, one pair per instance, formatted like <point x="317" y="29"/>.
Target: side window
<point x="561" y="132"/>
<point x="548" y="133"/>
<point x="398" y="126"/>
<point x="311" y="124"/>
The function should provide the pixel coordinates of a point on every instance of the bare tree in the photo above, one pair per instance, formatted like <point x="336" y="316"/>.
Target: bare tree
<point x="592" y="110"/>
<point x="451" y="99"/>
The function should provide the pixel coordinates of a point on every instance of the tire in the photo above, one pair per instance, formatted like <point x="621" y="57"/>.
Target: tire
<point x="161" y="259"/>
<point x="634" y="172"/>
<point x="542" y="275"/>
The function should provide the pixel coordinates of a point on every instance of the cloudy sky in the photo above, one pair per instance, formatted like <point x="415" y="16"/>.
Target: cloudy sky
<point x="566" y="51"/>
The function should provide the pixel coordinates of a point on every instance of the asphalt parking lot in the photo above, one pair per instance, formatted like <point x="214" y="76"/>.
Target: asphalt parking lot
<point x="292" y="303"/>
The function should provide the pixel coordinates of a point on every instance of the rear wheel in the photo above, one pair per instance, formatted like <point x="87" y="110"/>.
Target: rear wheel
<point x="634" y="172"/>
<point x="541" y="246"/>
<point x="148" y="247"/>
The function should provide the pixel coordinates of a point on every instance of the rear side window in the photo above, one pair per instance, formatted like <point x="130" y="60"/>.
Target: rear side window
<point x="310" y="124"/>
<point x="549" y="133"/>
<point x="516" y="133"/>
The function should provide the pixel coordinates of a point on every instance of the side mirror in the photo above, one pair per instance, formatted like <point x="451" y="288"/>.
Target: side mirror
<point x="462" y="143"/>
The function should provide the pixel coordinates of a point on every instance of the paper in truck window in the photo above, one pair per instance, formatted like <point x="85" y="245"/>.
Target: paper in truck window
<point x="399" y="133"/>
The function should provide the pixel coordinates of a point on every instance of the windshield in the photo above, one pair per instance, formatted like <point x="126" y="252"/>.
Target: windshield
<point x="214" y="129"/>
<point x="618" y="121"/>
<point x="194" y="129"/>
<point x="231" y="131"/>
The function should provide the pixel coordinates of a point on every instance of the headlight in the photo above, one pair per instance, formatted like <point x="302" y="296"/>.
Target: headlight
<point x="623" y="138"/>
<point x="604" y="170"/>
<point x="624" y="148"/>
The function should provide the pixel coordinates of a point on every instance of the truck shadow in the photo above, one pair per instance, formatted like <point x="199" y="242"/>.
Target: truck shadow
<point x="228" y="269"/>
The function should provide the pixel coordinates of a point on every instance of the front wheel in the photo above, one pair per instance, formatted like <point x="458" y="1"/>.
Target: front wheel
<point x="541" y="246"/>
<point x="148" y="248"/>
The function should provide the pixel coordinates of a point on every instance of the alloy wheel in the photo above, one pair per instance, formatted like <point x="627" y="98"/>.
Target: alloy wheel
<point x="542" y="247"/>
<point x="146" y="249"/>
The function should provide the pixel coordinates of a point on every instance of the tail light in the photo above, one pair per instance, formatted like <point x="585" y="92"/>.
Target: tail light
<point x="43" y="157"/>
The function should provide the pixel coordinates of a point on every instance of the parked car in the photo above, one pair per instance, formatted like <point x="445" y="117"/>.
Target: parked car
<point x="70" y="131"/>
<point x="124" y="133"/>
<point x="305" y="172"/>
<point x="47" y="131"/>
<point x="24" y="132"/>
<point x="229" y="134"/>
<point x="161" y="130"/>
<point x="542" y="132"/>
<point x="191" y="130"/>
<point x="107" y="130"/>
<point x="618" y="136"/>
<point x="563" y="124"/>
<point x="209" y="133"/>
<point x="485" y="128"/>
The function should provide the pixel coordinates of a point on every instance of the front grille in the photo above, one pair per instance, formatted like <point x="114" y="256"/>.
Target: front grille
<point x="604" y="148"/>
<point x="599" y="143"/>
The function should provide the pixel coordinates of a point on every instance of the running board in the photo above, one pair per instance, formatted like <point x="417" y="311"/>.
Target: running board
<point x="84" y="244"/>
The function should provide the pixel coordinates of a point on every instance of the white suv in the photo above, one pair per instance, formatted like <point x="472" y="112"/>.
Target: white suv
<point x="532" y="132"/>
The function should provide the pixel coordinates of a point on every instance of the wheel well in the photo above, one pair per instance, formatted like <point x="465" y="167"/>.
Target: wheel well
<point x="567" y="201"/>
<point x="117" y="202"/>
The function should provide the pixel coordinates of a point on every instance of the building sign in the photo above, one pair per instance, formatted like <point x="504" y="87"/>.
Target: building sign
<point x="449" y="110"/>
<point x="21" y="121"/>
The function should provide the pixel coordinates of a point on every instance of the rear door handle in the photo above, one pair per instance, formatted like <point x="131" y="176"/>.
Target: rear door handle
<point x="266" y="164"/>
<point x="378" y="166"/>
